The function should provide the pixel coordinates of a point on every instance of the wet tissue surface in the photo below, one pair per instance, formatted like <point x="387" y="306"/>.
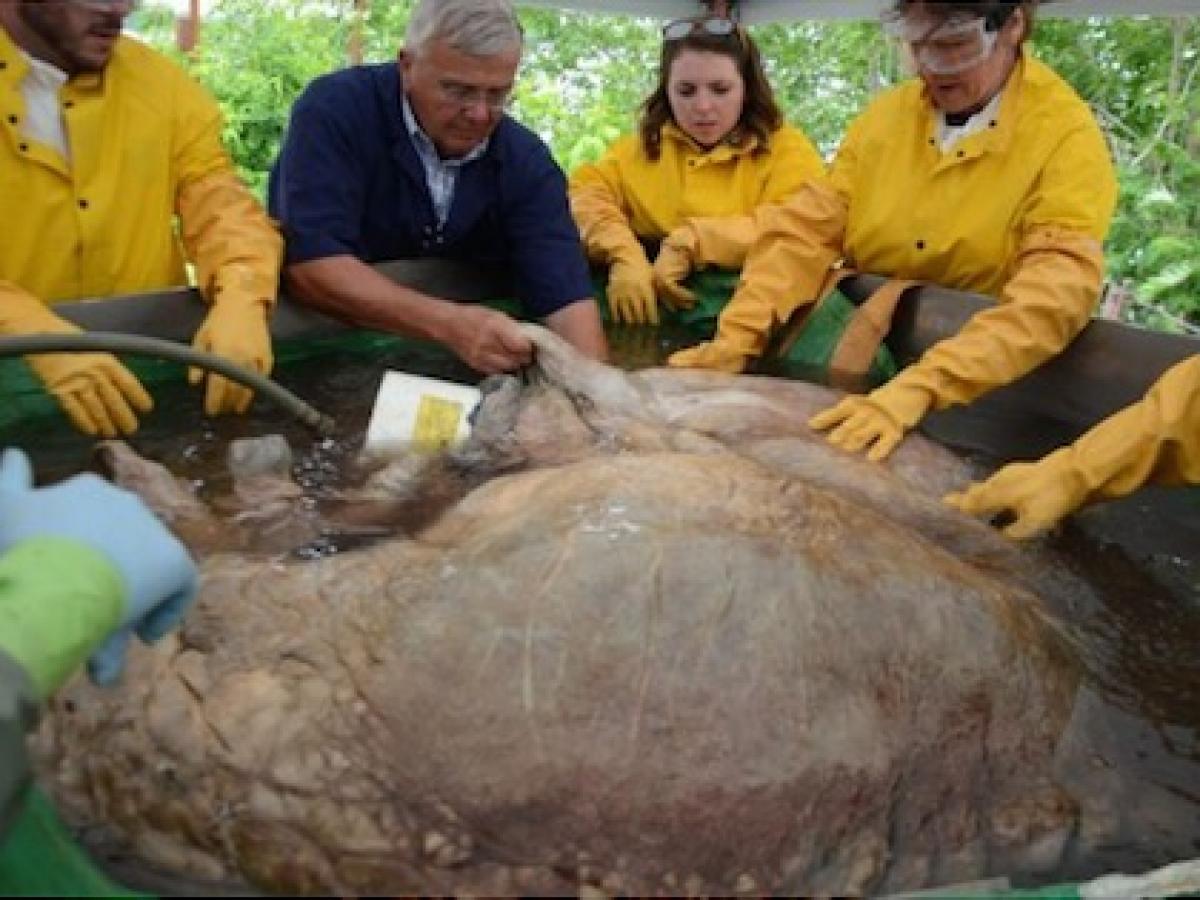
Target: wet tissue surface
<point x="646" y="635"/>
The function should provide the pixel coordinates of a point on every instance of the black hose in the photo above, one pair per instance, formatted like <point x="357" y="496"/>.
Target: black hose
<point x="137" y="345"/>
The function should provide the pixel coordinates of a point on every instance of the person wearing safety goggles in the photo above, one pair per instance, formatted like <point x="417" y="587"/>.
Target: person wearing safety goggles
<point x="711" y="142"/>
<point x="986" y="173"/>
<point x="114" y="178"/>
<point x="419" y="159"/>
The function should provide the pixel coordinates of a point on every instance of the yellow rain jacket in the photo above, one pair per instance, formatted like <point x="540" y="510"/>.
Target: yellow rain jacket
<point x="648" y="198"/>
<point x="145" y="146"/>
<point x="1017" y="211"/>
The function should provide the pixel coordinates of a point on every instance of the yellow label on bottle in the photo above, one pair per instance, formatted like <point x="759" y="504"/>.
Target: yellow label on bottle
<point x="437" y="423"/>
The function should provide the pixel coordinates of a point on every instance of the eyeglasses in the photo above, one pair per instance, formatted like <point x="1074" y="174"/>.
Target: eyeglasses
<point x="465" y="96"/>
<point x="714" y="25"/>
<point x="947" y="48"/>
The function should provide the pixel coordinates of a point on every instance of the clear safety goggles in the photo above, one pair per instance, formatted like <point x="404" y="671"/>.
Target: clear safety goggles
<point x="944" y="48"/>
<point x="714" y="25"/>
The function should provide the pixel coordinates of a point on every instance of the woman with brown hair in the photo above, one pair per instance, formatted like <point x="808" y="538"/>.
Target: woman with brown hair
<point x="711" y="142"/>
<point x="985" y="173"/>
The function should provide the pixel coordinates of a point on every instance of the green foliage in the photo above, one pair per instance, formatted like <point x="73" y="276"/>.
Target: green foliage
<point x="584" y="78"/>
<point x="256" y="58"/>
<point x="1141" y="77"/>
<point x="824" y="73"/>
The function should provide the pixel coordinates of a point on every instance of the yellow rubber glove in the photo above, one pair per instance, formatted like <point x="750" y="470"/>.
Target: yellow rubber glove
<point x="878" y="420"/>
<point x="1152" y="440"/>
<point x="237" y="252"/>
<point x="237" y="328"/>
<point x="98" y="394"/>
<point x="710" y="355"/>
<point x="1042" y="307"/>
<point x="794" y="245"/>
<point x="672" y="266"/>
<point x="609" y="241"/>
<point x="1037" y="494"/>
<point x="721" y="242"/>
<point x="631" y="288"/>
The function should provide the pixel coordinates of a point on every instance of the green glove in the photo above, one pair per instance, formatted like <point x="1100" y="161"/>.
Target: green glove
<point x="86" y="561"/>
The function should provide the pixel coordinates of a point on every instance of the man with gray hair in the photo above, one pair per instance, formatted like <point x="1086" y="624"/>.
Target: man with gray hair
<point x="417" y="159"/>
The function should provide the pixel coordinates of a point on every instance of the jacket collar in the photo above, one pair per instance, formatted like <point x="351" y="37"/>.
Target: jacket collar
<point x="1000" y="131"/>
<point x="725" y="150"/>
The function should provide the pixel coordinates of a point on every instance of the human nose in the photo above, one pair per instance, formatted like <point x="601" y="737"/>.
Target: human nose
<point x="477" y="108"/>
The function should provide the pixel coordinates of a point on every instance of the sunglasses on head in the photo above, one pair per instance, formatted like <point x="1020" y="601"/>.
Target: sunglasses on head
<point x="714" y="25"/>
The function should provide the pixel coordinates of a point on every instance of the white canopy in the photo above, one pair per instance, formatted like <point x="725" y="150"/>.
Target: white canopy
<point x="752" y="11"/>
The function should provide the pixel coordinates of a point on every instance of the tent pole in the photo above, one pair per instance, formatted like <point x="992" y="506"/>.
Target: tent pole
<point x="187" y="31"/>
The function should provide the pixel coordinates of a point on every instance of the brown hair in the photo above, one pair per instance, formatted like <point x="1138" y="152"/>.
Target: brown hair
<point x="995" y="12"/>
<point x="760" y="113"/>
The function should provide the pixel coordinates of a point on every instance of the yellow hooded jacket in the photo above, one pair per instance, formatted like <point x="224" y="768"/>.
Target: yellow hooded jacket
<point x="649" y="198"/>
<point x="1017" y="211"/>
<point x="145" y="146"/>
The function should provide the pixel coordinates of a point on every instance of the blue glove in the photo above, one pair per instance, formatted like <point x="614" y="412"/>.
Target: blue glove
<point x="159" y="575"/>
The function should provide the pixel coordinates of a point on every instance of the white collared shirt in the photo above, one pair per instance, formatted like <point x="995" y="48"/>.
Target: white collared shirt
<point x="441" y="175"/>
<point x="43" y="112"/>
<point x="949" y="135"/>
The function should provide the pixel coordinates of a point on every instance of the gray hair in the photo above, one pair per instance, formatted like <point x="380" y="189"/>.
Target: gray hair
<point x="475" y="27"/>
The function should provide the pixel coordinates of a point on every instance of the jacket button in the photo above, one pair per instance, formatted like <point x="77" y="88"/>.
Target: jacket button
<point x="920" y="245"/>
<point x="13" y="120"/>
<point x="83" y="204"/>
<point x="24" y="148"/>
<point x="961" y="153"/>
<point x="932" y="142"/>
<point x="67" y="104"/>
<point x="3" y="64"/>
<point x="992" y="124"/>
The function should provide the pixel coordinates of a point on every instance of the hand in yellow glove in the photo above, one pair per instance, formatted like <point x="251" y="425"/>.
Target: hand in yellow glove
<point x="236" y="328"/>
<point x="877" y="420"/>
<point x="1037" y="494"/>
<point x="715" y="355"/>
<point x="96" y="392"/>
<point x="672" y="266"/>
<point x="631" y="289"/>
